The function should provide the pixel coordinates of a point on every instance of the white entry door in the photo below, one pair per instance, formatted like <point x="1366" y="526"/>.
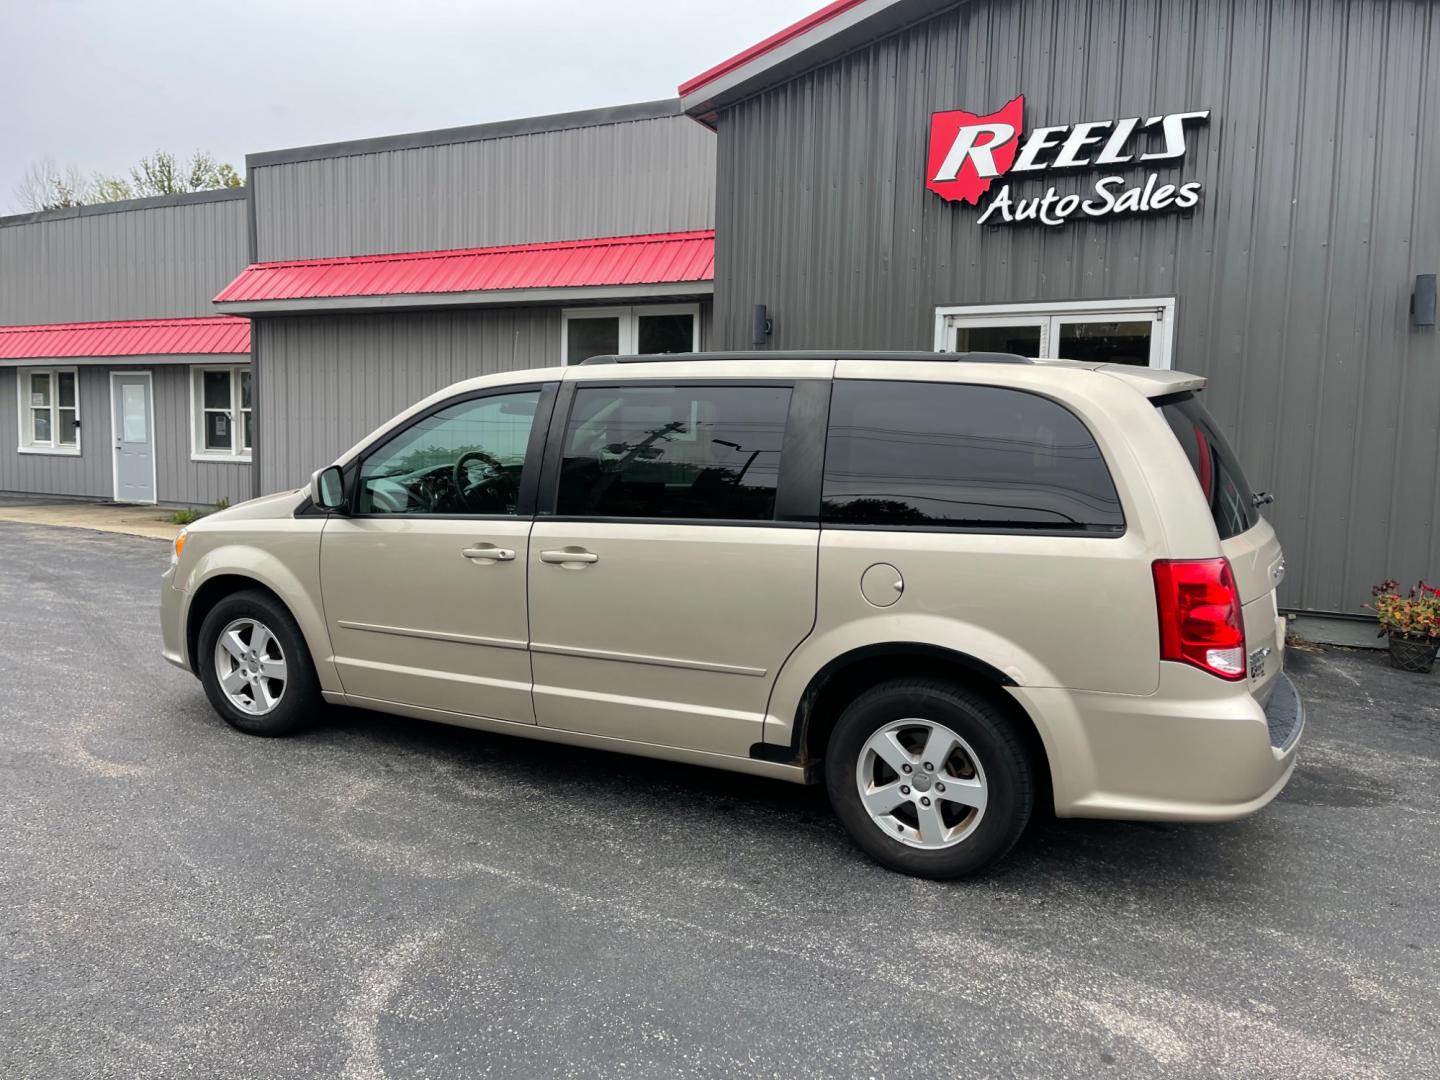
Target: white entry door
<point x="132" y="420"/>
<point x="1136" y="332"/>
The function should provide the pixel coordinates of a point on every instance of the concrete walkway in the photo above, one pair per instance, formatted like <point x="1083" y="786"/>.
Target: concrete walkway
<point x="102" y="517"/>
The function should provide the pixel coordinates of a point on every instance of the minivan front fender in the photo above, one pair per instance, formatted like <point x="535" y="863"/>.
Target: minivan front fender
<point x="288" y="566"/>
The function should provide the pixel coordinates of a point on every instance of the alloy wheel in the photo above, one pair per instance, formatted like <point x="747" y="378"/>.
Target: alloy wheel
<point x="250" y="666"/>
<point x="921" y="784"/>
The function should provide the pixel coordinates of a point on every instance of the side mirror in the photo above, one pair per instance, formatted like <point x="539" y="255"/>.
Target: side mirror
<point x="327" y="488"/>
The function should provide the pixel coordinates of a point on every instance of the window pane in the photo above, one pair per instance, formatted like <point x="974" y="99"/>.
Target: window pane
<point x="69" y="427"/>
<point x="667" y="333"/>
<point x="40" y="425"/>
<point x="1216" y="467"/>
<point x="674" y="452"/>
<point x="67" y="389"/>
<point x="948" y="456"/>
<point x="218" y="431"/>
<point x="40" y="391"/>
<point x="1106" y="342"/>
<point x="464" y="459"/>
<point x="134" y="422"/>
<point x="591" y="337"/>
<point x="249" y="431"/>
<point x="217" y="389"/>
<point x="245" y="389"/>
<point x="1023" y="340"/>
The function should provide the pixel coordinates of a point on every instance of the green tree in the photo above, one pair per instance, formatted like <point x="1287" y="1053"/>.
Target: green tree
<point x="46" y="186"/>
<point x="162" y="173"/>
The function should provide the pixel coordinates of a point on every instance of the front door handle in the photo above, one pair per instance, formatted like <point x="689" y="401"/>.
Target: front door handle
<point x="575" y="557"/>
<point x="488" y="553"/>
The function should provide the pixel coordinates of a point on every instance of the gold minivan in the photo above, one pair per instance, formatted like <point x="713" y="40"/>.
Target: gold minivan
<point x="949" y="586"/>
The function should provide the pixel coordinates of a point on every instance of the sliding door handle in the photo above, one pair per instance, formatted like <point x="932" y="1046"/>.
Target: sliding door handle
<point x="569" y="557"/>
<point x="488" y="553"/>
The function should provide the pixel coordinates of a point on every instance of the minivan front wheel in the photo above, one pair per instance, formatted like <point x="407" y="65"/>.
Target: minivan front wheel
<point x="929" y="778"/>
<point x="254" y="665"/>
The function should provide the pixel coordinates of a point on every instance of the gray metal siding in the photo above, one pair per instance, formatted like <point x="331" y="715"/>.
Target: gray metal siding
<point x="641" y="176"/>
<point x="178" y="479"/>
<point x="150" y="262"/>
<point x="1320" y="166"/>
<point x="326" y="381"/>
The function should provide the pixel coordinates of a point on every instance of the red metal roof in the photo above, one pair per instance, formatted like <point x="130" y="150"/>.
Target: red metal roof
<point x="207" y="335"/>
<point x="615" y="260"/>
<point x="774" y="41"/>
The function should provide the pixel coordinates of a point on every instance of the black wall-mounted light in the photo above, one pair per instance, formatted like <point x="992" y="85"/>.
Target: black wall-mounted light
<point x="1422" y="301"/>
<point x="761" y="327"/>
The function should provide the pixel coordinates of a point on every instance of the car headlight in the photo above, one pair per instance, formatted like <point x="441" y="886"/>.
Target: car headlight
<point x="178" y="547"/>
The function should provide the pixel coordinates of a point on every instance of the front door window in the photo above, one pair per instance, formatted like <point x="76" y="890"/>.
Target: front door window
<point x="464" y="459"/>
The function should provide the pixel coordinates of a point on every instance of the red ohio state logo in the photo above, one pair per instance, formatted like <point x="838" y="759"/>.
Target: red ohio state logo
<point x="968" y="151"/>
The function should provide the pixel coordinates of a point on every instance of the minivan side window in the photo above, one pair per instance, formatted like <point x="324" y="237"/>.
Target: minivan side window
<point x="678" y="452"/>
<point x="464" y="459"/>
<point x="955" y="456"/>
<point x="1216" y="467"/>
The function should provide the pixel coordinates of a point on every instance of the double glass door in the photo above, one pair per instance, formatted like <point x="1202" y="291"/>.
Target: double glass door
<point x="1135" y="332"/>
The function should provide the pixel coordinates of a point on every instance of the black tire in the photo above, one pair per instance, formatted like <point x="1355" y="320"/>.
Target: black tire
<point x="299" y="701"/>
<point x="1008" y="774"/>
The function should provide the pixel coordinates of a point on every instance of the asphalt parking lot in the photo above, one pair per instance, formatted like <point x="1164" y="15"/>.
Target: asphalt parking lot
<point x="383" y="897"/>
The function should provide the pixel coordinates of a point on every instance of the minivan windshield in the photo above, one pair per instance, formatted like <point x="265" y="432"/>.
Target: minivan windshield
<point x="1216" y="467"/>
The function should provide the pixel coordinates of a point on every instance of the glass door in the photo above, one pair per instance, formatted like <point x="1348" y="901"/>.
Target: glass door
<point x="980" y="333"/>
<point x="1106" y="339"/>
<point x="1136" y="332"/>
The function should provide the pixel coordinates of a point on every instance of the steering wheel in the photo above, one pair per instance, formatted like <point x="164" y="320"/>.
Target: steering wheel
<point x="460" y="474"/>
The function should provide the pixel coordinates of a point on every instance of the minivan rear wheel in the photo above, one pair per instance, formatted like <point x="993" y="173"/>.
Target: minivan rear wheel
<point x="254" y="665"/>
<point x="929" y="778"/>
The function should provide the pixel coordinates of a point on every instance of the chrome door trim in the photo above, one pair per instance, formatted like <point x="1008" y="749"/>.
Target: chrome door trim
<point x="433" y="635"/>
<point x="653" y="661"/>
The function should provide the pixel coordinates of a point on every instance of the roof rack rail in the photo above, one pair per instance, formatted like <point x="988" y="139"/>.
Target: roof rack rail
<point x="915" y="356"/>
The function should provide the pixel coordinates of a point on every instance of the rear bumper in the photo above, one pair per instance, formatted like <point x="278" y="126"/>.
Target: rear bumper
<point x="1285" y="714"/>
<point x="1197" y="750"/>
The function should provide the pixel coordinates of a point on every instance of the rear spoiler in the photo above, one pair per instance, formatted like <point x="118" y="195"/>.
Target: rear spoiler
<point x="1153" y="382"/>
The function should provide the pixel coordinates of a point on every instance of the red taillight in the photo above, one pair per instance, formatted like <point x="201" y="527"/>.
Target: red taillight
<point x="1200" y="620"/>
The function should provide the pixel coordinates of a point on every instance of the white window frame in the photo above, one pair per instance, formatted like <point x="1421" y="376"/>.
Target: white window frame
<point x="629" y="317"/>
<point x="237" y="453"/>
<point x="1048" y="315"/>
<point x="25" y="432"/>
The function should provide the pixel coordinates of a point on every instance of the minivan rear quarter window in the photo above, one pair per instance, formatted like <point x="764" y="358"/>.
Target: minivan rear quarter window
<point x="947" y="455"/>
<point x="1216" y="467"/>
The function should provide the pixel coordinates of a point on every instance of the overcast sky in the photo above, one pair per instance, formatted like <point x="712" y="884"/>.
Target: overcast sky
<point x="99" y="83"/>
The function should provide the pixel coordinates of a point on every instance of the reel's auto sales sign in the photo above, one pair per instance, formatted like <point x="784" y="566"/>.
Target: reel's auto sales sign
<point x="969" y="153"/>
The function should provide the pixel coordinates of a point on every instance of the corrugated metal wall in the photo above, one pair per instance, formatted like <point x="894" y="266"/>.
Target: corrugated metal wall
<point x="177" y="478"/>
<point x="642" y="176"/>
<point x="150" y="261"/>
<point x="1321" y="166"/>
<point x="327" y="380"/>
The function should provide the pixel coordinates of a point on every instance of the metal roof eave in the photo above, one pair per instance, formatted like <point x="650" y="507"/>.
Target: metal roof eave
<point x="828" y="34"/>
<point x="138" y="360"/>
<point x="557" y="297"/>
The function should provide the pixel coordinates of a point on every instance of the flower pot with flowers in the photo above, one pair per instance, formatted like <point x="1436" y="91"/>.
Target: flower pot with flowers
<point x="1412" y="622"/>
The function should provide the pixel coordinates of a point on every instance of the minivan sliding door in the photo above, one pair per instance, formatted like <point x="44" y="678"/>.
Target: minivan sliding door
<point x="670" y="573"/>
